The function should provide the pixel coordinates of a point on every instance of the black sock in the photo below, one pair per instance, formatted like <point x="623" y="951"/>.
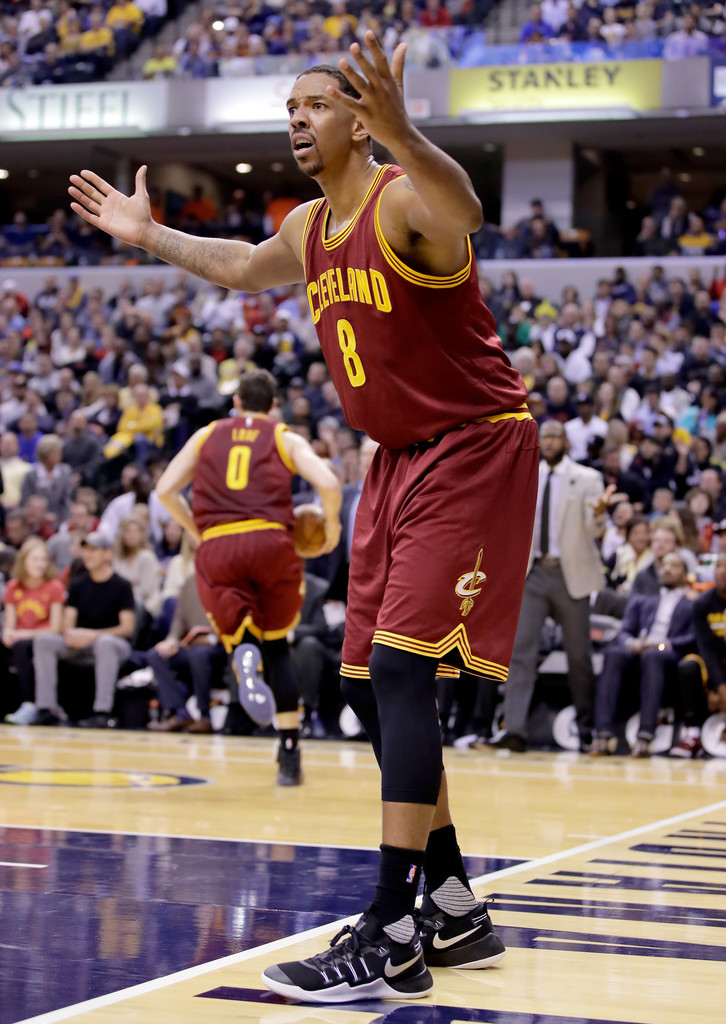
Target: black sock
<point x="398" y="877"/>
<point x="289" y="738"/>
<point x="442" y="862"/>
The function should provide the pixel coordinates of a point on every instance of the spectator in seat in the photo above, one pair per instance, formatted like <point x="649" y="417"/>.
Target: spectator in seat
<point x="536" y="26"/>
<point x="702" y="680"/>
<point x="33" y="607"/>
<point x="688" y="42"/>
<point x="13" y="470"/>
<point x="666" y="537"/>
<point x="190" y="659"/>
<point x="97" y="42"/>
<point x="126" y="21"/>
<point x="657" y="632"/>
<point x="140" y="426"/>
<point x="50" y="477"/>
<point x="98" y="622"/>
<point x="434" y="15"/>
<point x="136" y="562"/>
<point x="161" y="65"/>
<point x="200" y="208"/>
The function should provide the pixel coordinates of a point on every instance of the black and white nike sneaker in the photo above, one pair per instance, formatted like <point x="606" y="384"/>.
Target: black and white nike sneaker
<point x="466" y="942"/>
<point x="362" y="963"/>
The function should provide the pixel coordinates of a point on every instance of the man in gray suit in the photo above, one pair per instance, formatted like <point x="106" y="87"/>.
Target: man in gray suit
<point x="564" y="568"/>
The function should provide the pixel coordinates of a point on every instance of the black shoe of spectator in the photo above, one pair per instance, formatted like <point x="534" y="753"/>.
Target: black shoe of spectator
<point x="510" y="741"/>
<point x="46" y="717"/>
<point x="99" y="720"/>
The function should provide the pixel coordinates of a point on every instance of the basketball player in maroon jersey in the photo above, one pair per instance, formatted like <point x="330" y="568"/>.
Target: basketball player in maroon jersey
<point x="249" y="577"/>
<point x="445" y="518"/>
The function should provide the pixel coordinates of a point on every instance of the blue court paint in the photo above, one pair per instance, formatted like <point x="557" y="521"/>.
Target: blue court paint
<point x="593" y="880"/>
<point x="110" y="911"/>
<point x="397" y="1013"/>
<point x="607" y="910"/>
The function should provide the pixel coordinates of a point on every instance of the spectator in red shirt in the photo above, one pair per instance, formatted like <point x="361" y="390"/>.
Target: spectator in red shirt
<point x="33" y="606"/>
<point x="434" y="15"/>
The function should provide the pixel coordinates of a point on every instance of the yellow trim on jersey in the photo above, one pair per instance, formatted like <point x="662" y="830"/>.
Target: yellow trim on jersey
<point x="522" y="413"/>
<point x="282" y="450"/>
<point x="279" y="634"/>
<point x="243" y="526"/>
<point x="332" y="243"/>
<point x="355" y="671"/>
<point x="457" y="638"/>
<point x="361" y="672"/>
<point x="204" y="435"/>
<point x="306" y="230"/>
<point x="230" y="642"/>
<point x="414" y="276"/>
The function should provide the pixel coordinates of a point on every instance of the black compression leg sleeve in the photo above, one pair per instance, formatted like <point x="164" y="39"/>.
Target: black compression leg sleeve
<point x="358" y="694"/>
<point x="283" y="678"/>
<point x="411" y="754"/>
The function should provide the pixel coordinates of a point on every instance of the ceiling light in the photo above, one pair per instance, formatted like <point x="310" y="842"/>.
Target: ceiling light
<point x="277" y="167"/>
<point x="698" y="151"/>
<point x="4" y="174"/>
<point x="684" y="176"/>
<point x="243" y="168"/>
<point x="218" y="26"/>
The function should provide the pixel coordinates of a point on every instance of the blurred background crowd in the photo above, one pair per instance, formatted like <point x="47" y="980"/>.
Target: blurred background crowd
<point x="98" y="389"/>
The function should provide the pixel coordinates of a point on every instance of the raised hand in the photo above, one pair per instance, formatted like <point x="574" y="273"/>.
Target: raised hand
<point x="380" y="107"/>
<point x="124" y="217"/>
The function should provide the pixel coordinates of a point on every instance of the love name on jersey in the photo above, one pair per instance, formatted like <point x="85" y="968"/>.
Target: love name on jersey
<point x="244" y="434"/>
<point x="348" y="285"/>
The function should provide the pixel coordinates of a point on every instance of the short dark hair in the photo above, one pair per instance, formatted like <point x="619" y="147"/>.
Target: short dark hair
<point x="257" y="390"/>
<point x="330" y="69"/>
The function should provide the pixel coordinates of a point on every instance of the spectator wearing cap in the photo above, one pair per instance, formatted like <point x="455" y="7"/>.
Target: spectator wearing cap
<point x="98" y="623"/>
<point x="50" y="477"/>
<point x="584" y="427"/>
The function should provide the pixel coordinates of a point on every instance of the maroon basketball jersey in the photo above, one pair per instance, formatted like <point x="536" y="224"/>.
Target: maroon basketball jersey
<point x="242" y="474"/>
<point x="411" y="354"/>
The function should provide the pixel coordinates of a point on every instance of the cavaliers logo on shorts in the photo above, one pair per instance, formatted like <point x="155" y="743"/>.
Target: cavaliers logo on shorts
<point x="469" y="585"/>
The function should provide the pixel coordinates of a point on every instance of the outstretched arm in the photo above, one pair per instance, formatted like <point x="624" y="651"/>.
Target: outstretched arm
<point x="440" y="202"/>
<point x="240" y="266"/>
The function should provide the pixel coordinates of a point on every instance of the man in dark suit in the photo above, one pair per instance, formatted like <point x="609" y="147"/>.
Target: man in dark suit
<point x="657" y="631"/>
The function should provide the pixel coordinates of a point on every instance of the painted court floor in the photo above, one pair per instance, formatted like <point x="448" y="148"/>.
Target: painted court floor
<point x="151" y="878"/>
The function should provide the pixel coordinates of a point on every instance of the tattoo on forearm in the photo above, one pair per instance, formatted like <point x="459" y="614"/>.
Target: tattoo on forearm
<point x="201" y="256"/>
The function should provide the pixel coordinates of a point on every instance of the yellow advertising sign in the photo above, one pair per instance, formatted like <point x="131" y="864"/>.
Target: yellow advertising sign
<point x="635" y="84"/>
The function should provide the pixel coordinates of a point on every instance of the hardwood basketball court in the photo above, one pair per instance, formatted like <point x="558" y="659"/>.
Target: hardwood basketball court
<point x="151" y="878"/>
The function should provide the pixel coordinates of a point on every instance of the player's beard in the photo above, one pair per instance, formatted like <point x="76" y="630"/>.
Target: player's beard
<point x="312" y="169"/>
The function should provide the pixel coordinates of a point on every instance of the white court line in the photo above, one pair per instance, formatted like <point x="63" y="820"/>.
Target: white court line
<point x="269" y="947"/>
<point x="17" y="864"/>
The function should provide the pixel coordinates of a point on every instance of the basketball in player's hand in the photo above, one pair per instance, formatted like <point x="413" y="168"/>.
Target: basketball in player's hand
<point x="309" y="530"/>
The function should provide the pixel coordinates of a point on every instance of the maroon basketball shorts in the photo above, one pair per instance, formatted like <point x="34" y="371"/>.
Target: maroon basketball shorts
<point x="441" y="545"/>
<point x="251" y="580"/>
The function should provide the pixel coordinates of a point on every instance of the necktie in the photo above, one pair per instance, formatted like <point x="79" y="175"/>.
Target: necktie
<point x="544" y="536"/>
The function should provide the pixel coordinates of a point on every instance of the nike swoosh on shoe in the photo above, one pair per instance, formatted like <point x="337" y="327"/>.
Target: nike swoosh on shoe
<point x="440" y="943"/>
<point x="393" y="970"/>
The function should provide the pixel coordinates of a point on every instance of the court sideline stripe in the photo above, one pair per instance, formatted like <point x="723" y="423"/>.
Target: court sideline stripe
<point x="235" y="958"/>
